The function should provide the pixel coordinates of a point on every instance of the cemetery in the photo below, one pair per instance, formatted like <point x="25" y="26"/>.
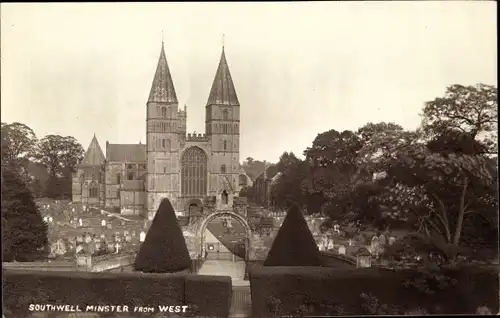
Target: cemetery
<point x="298" y="252"/>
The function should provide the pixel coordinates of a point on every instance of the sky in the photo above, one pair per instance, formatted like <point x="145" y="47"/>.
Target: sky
<point x="299" y="68"/>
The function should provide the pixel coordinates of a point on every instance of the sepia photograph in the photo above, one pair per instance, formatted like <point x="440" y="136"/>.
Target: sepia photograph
<point x="246" y="159"/>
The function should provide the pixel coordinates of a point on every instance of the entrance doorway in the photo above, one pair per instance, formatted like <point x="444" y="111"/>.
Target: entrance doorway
<point x="224" y="252"/>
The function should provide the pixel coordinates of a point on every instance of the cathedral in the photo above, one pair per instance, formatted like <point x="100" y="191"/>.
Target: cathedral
<point x="188" y="169"/>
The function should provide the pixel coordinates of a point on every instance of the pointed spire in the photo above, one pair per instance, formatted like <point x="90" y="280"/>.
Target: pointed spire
<point x="162" y="89"/>
<point x="223" y="92"/>
<point x="94" y="155"/>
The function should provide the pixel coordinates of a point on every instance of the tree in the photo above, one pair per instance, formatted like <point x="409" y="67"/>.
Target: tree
<point x="24" y="233"/>
<point x="472" y="110"/>
<point x="294" y="244"/>
<point x="60" y="155"/>
<point x="164" y="249"/>
<point x="435" y="191"/>
<point x="18" y="142"/>
<point x="332" y="163"/>
<point x="287" y="188"/>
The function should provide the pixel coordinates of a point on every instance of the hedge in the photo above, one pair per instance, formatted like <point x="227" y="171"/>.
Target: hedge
<point x="208" y="294"/>
<point x="279" y="291"/>
<point x="164" y="249"/>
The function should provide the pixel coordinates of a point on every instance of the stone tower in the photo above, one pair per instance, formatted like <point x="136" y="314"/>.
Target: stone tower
<point x="222" y="126"/>
<point x="163" y="122"/>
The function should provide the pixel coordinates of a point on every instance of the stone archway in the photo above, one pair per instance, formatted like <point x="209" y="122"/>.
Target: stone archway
<point x="204" y="223"/>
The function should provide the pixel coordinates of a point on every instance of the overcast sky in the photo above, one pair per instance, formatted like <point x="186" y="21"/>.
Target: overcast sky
<point x="299" y="68"/>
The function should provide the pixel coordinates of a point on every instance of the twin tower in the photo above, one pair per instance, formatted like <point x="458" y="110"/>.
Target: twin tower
<point x="189" y="168"/>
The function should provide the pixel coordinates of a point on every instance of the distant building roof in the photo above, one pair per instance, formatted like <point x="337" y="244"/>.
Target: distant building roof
<point x="94" y="155"/>
<point x="271" y="171"/>
<point x="126" y="152"/>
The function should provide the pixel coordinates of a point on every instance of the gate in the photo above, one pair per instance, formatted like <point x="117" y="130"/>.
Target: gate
<point x="241" y="302"/>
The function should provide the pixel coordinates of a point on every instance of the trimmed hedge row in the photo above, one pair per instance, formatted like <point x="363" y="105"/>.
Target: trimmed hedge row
<point x="280" y="291"/>
<point x="209" y="295"/>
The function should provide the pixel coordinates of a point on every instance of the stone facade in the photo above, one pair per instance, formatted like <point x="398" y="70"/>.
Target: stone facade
<point x="185" y="168"/>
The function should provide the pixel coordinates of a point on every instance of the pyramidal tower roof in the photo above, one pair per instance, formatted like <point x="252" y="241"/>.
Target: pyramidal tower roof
<point x="162" y="89"/>
<point x="223" y="92"/>
<point x="94" y="155"/>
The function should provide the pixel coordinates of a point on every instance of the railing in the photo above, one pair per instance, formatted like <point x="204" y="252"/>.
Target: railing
<point x="241" y="302"/>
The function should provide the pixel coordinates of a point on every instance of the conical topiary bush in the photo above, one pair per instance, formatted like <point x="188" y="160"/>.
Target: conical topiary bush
<point x="164" y="249"/>
<point x="294" y="244"/>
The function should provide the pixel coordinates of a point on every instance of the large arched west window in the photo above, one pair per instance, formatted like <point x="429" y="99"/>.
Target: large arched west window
<point x="194" y="172"/>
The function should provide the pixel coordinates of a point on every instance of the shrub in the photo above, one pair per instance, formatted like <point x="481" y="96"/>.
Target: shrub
<point x="328" y="291"/>
<point x="206" y="295"/>
<point x="164" y="249"/>
<point x="294" y="244"/>
<point x="24" y="233"/>
<point x="210" y="294"/>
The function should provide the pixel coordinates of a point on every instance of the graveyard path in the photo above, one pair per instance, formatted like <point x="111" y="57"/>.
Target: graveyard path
<point x="223" y="268"/>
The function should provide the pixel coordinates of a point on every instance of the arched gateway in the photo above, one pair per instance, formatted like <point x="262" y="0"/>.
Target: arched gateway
<point x="206" y="220"/>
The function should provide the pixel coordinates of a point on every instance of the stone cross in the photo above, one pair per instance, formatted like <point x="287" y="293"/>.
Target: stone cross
<point x="142" y="236"/>
<point x="117" y="248"/>
<point x="80" y="222"/>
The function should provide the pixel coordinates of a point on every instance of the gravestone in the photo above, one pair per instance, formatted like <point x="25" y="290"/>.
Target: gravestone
<point x="48" y="206"/>
<point x="88" y="238"/>
<point x="142" y="236"/>
<point x="111" y="247"/>
<point x="79" y="239"/>
<point x="382" y="240"/>
<point x="133" y="233"/>
<point x="128" y="238"/>
<point x="103" y="236"/>
<point x="330" y="244"/>
<point x="50" y="219"/>
<point x="79" y="248"/>
<point x="374" y="246"/>
<point x="109" y="226"/>
<point x="342" y="250"/>
<point x="91" y="248"/>
<point x="45" y="219"/>
<point x="103" y="223"/>
<point x="80" y="222"/>
<point x="350" y="242"/>
<point x="97" y="246"/>
<point x="73" y="209"/>
<point x="392" y="240"/>
<point x="126" y="232"/>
